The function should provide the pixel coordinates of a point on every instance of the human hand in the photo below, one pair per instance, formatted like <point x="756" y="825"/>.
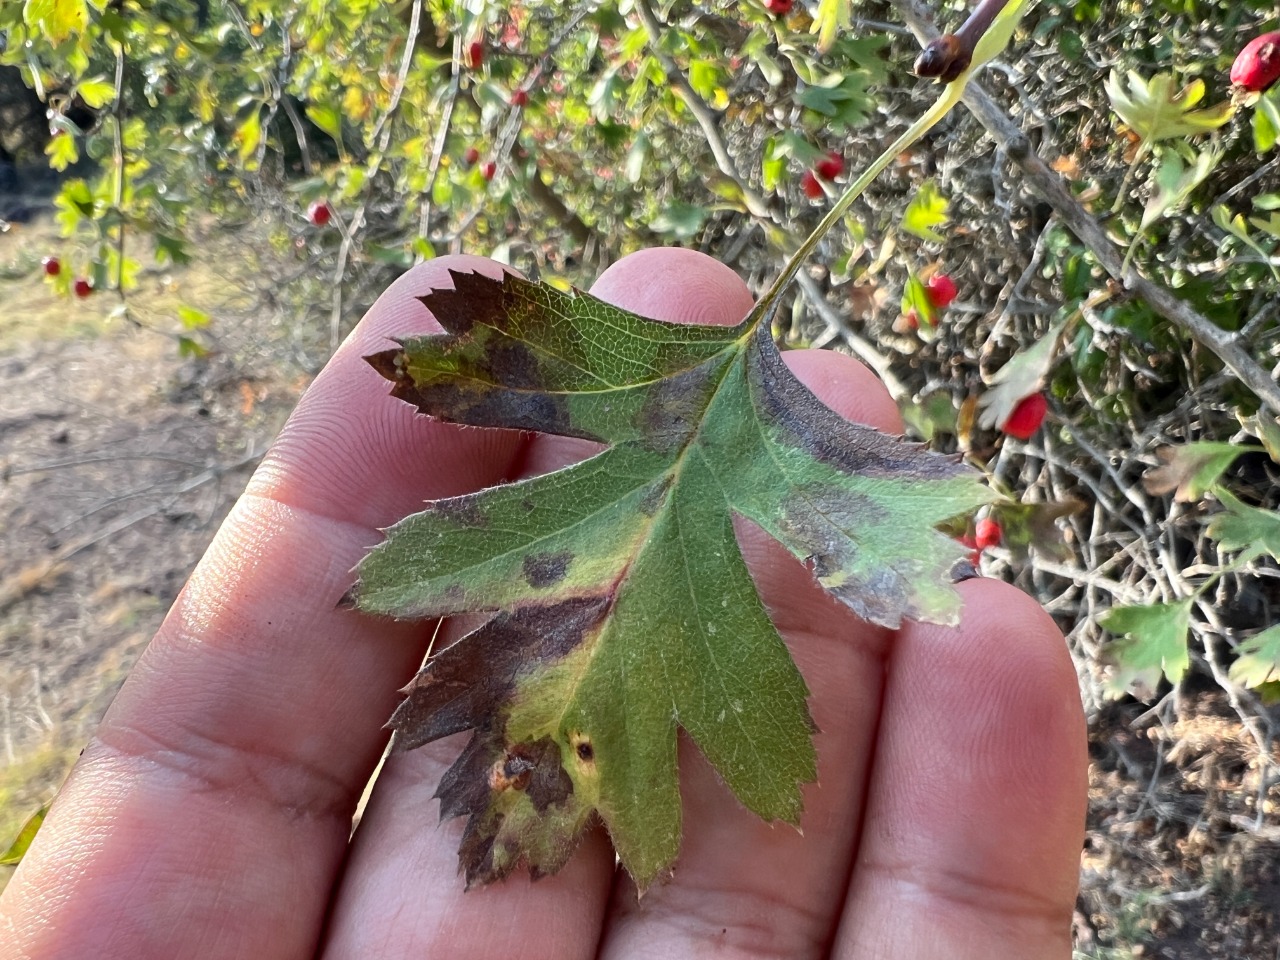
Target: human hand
<point x="210" y="815"/>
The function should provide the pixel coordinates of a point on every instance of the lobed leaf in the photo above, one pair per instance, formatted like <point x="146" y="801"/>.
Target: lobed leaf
<point x="625" y="609"/>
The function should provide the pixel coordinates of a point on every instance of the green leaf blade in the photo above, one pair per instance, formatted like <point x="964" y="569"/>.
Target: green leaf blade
<point x="626" y="610"/>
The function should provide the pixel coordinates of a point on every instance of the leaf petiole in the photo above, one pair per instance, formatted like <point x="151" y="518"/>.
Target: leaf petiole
<point x="997" y="32"/>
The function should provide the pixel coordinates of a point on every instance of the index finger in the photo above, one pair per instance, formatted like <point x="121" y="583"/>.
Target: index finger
<point x="210" y="813"/>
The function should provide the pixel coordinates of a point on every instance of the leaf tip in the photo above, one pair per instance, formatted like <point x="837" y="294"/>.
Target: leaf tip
<point x="349" y="600"/>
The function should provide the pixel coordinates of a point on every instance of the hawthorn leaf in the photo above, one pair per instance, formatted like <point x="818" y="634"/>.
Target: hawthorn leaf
<point x="1157" y="110"/>
<point x="624" y="610"/>
<point x="1154" y="642"/>
<point x="1257" y="659"/>
<point x="13" y="854"/>
<point x="1253" y="530"/>
<point x="927" y="209"/>
<point x="1020" y="377"/>
<point x="1190" y="470"/>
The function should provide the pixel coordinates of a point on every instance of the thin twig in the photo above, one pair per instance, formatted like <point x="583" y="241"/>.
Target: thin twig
<point x="701" y="112"/>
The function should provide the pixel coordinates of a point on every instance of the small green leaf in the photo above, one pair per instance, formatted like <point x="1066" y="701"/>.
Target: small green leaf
<point x="927" y="209"/>
<point x="97" y="91"/>
<point x="1156" y="110"/>
<point x="193" y="319"/>
<point x="62" y="151"/>
<point x="18" y="849"/>
<point x="680" y="220"/>
<point x="1266" y="121"/>
<point x="916" y="297"/>
<point x="171" y="249"/>
<point x="327" y="118"/>
<point x="189" y="349"/>
<point x="1174" y="182"/>
<point x="1190" y="469"/>
<point x="831" y="19"/>
<point x="1257" y="659"/>
<point x="1242" y="527"/>
<point x="1155" y="643"/>
<point x="248" y="135"/>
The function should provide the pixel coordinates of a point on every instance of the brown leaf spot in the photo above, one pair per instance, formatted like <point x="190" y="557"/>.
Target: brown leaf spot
<point x="545" y="569"/>
<point x="468" y="682"/>
<point x="474" y="299"/>
<point x="656" y="495"/>
<point x="675" y="405"/>
<point x="808" y="423"/>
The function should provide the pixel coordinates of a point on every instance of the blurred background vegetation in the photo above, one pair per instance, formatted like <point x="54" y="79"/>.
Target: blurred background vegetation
<point x="199" y="199"/>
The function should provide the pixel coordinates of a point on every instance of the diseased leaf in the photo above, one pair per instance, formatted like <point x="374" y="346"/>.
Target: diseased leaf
<point x="1155" y="642"/>
<point x="1190" y="469"/>
<point x="626" y="611"/>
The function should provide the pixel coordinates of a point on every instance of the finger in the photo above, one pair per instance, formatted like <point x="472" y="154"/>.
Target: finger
<point x="976" y="815"/>
<point x="210" y="813"/>
<point x="401" y="895"/>
<point x="742" y="887"/>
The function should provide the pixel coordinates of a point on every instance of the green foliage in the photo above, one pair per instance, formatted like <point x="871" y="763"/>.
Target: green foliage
<point x="627" y="610"/>
<point x="928" y="209"/>
<point x="1156" y="110"/>
<point x="14" y="853"/>
<point x="1250" y="530"/>
<point x="1154" y="644"/>
<point x="1258" y="659"/>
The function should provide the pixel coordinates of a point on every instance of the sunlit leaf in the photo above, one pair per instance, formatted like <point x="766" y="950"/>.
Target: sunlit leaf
<point x="626" y="608"/>
<point x="927" y="209"/>
<point x="1157" y="110"/>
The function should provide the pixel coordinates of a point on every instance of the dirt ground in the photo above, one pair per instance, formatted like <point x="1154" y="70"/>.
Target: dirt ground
<point x="119" y="459"/>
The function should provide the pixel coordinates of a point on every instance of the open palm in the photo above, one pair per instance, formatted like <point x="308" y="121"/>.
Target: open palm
<point x="210" y="815"/>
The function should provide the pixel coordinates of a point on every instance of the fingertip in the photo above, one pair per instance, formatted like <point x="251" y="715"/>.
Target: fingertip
<point x="847" y="387"/>
<point x="976" y="814"/>
<point x="676" y="285"/>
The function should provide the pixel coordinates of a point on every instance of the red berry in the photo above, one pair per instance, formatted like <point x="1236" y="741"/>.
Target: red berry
<point x="520" y="98"/>
<point x="488" y="169"/>
<point x="82" y="287"/>
<point x="319" y="213"/>
<point x="779" y="8"/>
<point x="967" y="540"/>
<point x="1026" y="417"/>
<point x="811" y="187"/>
<point x="1258" y="65"/>
<point x="941" y="290"/>
<point x="913" y="319"/>
<point x="471" y="156"/>
<point x="475" y="54"/>
<point x="52" y="266"/>
<point x="987" y="533"/>
<point x="830" y="167"/>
